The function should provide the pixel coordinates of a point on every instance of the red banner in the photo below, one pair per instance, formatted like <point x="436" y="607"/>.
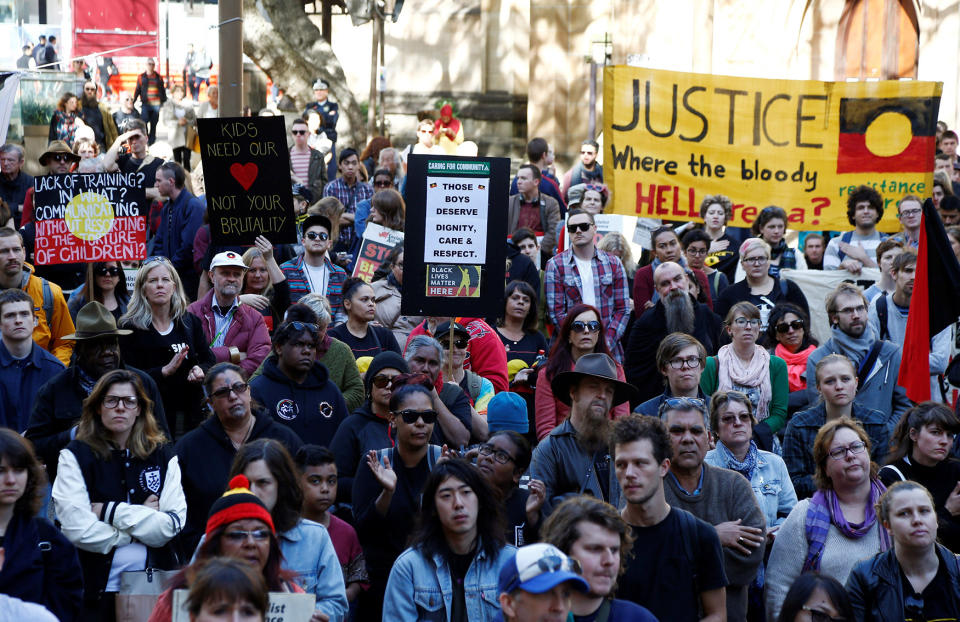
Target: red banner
<point x="101" y="25"/>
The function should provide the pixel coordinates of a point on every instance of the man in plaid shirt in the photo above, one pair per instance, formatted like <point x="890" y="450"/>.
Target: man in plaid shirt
<point x="585" y="274"/>
<point x="349" y="190"/>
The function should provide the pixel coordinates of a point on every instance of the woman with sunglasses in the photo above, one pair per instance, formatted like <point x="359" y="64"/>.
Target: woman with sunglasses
<point x="920" y="451"/>
<point x="788" y="336"/>
<point x="744" y="366"/>
<point x="106" y="284"/>
<point x="369" y="426"/>
<point x="838" y="527"/>
<point x="836" y="381"/>
<point x="117" y="493"/>
<point x="359" y="332"/>
<point x="581" y="332"/>
<point x="207" y="452"/>
<point x="758" y="285"/>
<point x="166" y="341"/>
<point x="916" y="579"/>
<point x="816" y="598"/>
<point x="387" y="487"/>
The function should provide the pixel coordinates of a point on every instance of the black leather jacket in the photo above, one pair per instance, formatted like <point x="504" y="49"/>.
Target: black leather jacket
<point x="876" y="591"/>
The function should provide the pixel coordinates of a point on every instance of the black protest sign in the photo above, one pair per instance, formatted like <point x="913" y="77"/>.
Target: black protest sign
<point x="455" y="237"/>
<point x="246" y="170"/>
<point x="85" y="217"/>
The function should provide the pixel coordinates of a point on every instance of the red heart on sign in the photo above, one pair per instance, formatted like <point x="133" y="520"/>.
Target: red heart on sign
<point x="245" y="174"/>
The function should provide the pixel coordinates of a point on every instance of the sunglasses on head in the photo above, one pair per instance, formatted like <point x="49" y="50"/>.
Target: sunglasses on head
<point x="107" y="271"/>
<point x="592" y="326"/>
<point x="787" y="326"/>
<point x="411" y="416"/>
<point x="582" y="226"/>
<point x="310" y="328"/>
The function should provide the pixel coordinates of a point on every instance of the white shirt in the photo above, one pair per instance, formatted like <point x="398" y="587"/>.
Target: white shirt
<point x="588" y="291"/>
<point x="317" y="277"/>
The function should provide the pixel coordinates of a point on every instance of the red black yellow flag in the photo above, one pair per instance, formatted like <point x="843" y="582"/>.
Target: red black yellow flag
<point x="887" y="135"/>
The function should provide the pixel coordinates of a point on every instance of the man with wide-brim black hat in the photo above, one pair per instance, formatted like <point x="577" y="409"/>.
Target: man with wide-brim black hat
<point x="574" y="458"/>
<point x="56" y="411"/>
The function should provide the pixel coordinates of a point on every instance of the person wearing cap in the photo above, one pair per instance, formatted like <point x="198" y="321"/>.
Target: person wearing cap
<point x="180" y="218"/>
<point x="503" y="460"/>
<point x="573" y="459"/>
<point x="450" y="569"/>
<point x="716" y="496"/>
<point x="236" y="332"/>
<point x="691" y="586"/>
<point x="152" y="94"/>
<point x="329" y="111"/>
<point x="368" y="427"/>
<point x="478" y="389"/>
<point x="536" y="584"/>
<point x="307" y="167"/>
<point x="296" y="389"/>
<point x="487" y="355"/>
<point x="302" y="200"/>
<point x="313" y="272"/>
<point x="59" y="402"/>
<point x="594" y="533"/>
<point x="349" y="189"/>
<point x="24" y="366"/>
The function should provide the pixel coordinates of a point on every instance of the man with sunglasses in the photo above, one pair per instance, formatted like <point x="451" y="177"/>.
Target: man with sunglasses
<point x="585" y="274"/>
<point x="536" y="584"/>
<point x="306" y="163"/>
<point x="676" y="311"/>
<point x="313" y="272"/>
<point x="531" y="209"/>
<point x="296" y="388"/>
<point x="236" y="332"/>
<point x="716" y="496"/>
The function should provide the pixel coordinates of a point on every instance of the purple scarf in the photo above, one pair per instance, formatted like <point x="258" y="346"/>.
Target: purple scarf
<point x="824" y="509"/>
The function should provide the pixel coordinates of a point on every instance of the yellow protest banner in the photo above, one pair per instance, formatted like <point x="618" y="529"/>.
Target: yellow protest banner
<point x="671" y="138"/>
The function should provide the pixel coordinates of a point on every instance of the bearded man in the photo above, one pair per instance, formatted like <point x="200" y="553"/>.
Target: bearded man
<point x="574" y="458"/>
<point x="97" y="116"/>
<point x="676" y="311"/>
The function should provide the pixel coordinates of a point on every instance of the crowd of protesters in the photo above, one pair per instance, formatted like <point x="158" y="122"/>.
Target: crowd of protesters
<point x="634" y="437"/>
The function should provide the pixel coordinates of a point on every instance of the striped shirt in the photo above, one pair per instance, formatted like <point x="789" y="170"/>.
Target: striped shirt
<point x="222" y="318"/>
<point x="300" y="164"/>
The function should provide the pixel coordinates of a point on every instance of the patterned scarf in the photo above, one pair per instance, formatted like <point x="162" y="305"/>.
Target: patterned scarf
<point x="732" y="374"/>
<point x="824" y="510"/>
<point x="745" y="468"/>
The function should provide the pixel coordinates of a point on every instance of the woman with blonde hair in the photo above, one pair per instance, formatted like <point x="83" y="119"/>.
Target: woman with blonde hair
<point x="166" y="341"/>
<point x="117" y="493"/>
<point x="265" y="285"/>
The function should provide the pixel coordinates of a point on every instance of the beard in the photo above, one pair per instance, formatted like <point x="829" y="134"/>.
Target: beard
<point x="88" y="101"/>
<point x="596" y="431"/>
<point x="679" y="312"/>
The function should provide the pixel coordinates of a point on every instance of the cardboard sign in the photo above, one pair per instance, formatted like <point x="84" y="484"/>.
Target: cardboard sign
<point x="283" y="607"/>
<point x="376" y="245"/>
<point x="454" y="249"/>
<point x="672" y="138"/>
<point x="85" y="217"/>
<point x="246" y="169"/>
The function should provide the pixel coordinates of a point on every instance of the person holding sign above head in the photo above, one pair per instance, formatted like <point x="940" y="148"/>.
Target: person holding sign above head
<point x="584" y="274"/>
<point x="313" y="272"/>
<point x="265" y="286"/>
<point x="358" y="332"/>
<point x="182" y="215"/>
<point x="529" y="208"/>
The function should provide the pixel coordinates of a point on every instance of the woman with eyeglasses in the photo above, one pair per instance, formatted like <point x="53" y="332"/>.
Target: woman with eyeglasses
<point x="758" y="285"/>
<point x="65" y="119"/>
<point x="359" y="332"/>
<point x="744" y="366"/>
<point x="581" y="332"/>
<point x="207" y="452"/>
<point x="916" y="579"/>
<point x="816" y="598"/>
<point x="832" y="531"/>
<point x="238" y="526"/>
<point x="117" y="494"/>
<point x="265" y="286"/>
<point x="387" y="283"/>
<point x="105" y="283"/>
<point x="166" y="341"/>
<point x="387" y="487"/>
<point x="369" y="426"/>
<point x="836" y="381"/>
<point x="771" y="227"/>
<point x="920" y="451"/>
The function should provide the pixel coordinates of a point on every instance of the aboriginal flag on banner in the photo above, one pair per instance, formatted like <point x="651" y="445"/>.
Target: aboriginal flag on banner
<point x="934" y="305"/>
<point x="887" y="134"/>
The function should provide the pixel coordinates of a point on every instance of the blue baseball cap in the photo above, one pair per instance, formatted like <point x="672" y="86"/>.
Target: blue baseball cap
<point x="538" y="568"/>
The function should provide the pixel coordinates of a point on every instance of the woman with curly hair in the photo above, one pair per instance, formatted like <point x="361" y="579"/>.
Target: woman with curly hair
<point x="66" y="119"/>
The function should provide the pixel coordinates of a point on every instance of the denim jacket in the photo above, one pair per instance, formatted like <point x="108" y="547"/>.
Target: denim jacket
<point x="432" y="588"/>
<point x="771" y="485"/>
<point x="308" y="551"/>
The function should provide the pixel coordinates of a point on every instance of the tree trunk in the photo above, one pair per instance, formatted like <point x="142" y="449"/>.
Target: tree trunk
<point x="285" y="44"/>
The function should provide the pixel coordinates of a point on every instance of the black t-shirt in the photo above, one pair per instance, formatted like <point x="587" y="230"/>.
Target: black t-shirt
<point x="661" y="577"/>
<point x="526" y="349"/>
<point x="129" y="164"/>
<point x="377" y="340"/>
<point x="459" y="565"/>
<point x="620" y="611"/>
<point x="933" y="603"/>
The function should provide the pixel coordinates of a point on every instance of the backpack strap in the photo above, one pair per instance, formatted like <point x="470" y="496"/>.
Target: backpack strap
<point x="433" y="454"/>
<point x="783" y="287"/>
<point x="688" y="535"/>
<point x="867" y="365"/>
<point x="882" y="316"/>
<point x="47" y="301"/>
<point x="845" y="238"/>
